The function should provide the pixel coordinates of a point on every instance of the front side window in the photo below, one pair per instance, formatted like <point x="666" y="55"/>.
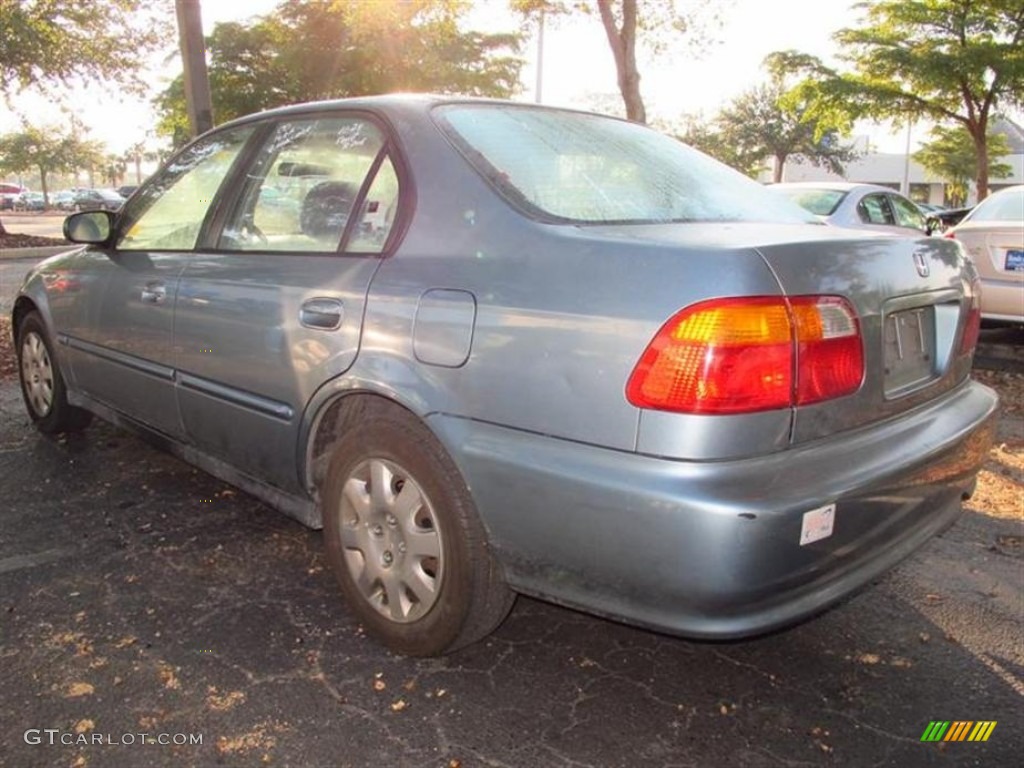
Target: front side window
<point x="581" y="168"/>
<point x="303" y="187"/>
<point x="169" y="213"/>
<point x="907" y="214"/>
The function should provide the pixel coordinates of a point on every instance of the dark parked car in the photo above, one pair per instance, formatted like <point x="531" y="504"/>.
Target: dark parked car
<point x="940" y="221"/>
<point x="30" y="201"/>
<point x="497" y="348"/>
<point x="97" y="200"/>
<point x="126" y="190"/>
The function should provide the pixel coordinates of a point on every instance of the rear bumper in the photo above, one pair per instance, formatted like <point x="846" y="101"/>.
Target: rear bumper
<point x="711" y="549"/>
<point x="1002" y="300"/>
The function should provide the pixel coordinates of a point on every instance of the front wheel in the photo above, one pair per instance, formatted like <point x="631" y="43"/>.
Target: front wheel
<point x="404" y="540"/>
<point x="42" y="384"/>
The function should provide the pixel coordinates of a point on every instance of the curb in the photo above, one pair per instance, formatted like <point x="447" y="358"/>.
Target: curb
<point x="35" y="253"/>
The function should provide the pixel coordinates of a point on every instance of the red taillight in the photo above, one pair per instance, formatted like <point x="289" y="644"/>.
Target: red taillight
<point x="972" y="323"/>
<point x="951" y="235"/>
<point x="740" y="355"/>
<point x="830" y="356"/>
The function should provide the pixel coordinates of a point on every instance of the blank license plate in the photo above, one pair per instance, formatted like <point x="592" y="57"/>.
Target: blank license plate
<point x="909" y="350"/>
<point x="1014" y="261"/>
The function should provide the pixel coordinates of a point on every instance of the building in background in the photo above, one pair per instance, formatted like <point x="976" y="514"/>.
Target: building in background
<point x="887" y="169"/>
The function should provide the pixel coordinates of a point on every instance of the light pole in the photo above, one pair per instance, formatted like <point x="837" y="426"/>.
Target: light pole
<point x="193" y="58"/>
<point x="540" y="58"/>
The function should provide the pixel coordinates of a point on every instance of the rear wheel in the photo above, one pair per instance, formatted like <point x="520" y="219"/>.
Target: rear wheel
<point x="42" y="385"/>
<point x="404" y="540"/>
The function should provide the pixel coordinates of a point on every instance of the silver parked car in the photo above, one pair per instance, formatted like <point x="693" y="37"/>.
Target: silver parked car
<point x="497" y="348"/>
<point x="857" y="206"/>
<point x="993" y="234"/>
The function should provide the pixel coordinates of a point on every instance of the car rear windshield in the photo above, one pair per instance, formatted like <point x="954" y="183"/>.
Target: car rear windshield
<point x="820" y="202"/>
<point x="580" y="168"/>
<point x="1004" y="206"/>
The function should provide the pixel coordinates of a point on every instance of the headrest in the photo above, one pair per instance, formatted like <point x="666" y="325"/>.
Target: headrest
<point x="325" y="210"/>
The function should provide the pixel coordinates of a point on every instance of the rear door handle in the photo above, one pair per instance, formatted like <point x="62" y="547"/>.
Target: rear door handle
<point x="154" y="292"/>
<point x="322" y="314"/>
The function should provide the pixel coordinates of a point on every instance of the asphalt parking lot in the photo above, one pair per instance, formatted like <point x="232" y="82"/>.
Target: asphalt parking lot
<point x="143" y="600"/>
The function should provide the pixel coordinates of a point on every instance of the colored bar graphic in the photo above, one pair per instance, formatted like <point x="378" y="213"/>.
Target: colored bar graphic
<point x="958" y="730"/>
<point x="935" y="731"/>
<point x="982" y="730"/>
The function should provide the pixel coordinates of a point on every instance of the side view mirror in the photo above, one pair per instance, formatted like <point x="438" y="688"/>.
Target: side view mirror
<point x="89" y="227"/>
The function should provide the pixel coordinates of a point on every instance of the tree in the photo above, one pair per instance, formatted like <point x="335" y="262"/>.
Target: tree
<point x="320" y="49"/>
<point x="953" y="157"/>
<point x="46" y="41"/>
<point x="709" y="138"/>
<point x="656" y="23"/>
<point x="770" y="121"/>
<point x="66" y="40"/>
<point x="951" y="61"/>
<point x="45" y="152"/>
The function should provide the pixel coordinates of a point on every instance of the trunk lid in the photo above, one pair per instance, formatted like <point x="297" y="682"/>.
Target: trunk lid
<point x="912" y="297"/>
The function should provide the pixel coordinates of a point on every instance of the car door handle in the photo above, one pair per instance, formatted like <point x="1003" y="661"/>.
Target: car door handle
<point x="322" y="314"/>
<point x="154" y="292"/>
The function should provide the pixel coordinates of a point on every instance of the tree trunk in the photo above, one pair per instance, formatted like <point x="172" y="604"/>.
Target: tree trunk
<point x="42" y="183"/>
<point x="138" y="169"/>
<point x="779" y="171"/>
<point x="981" y="149"/>
<point x="623" y="45"/>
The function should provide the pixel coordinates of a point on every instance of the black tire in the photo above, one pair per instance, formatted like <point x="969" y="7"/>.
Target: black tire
<point x="469" y="598"/>
<point x="42" y="385"/>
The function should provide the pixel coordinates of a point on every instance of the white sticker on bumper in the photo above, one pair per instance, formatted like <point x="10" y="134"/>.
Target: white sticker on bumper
<point x="817" y="524"/>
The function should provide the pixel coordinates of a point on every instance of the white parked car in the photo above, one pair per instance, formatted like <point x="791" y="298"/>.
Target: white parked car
<point x="993" y="235"/>
<point x="857" y="206"/>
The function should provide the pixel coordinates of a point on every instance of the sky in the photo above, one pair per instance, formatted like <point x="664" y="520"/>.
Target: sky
<point x="577" y="66"/>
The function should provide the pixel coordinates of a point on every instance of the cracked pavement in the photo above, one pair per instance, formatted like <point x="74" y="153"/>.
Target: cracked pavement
<point x="142" y="596"/>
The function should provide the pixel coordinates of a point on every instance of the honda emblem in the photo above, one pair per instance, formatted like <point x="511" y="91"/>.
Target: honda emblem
<point x="922" y="264"/>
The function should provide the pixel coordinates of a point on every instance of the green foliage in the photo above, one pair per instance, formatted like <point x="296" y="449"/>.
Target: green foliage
<point x="42" y="41"/>
<point x="307" y="50"/>
<point x="773" y="120"/>
<point x="760" y="123"/>
<point x="952" y="157"/>
<point x="46" y="152"/>
<point x="944" y="60"/>
<point x="710" y="139"/>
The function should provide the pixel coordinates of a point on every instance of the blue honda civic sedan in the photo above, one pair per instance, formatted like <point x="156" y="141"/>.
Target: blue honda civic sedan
<point x="495" y="348"/>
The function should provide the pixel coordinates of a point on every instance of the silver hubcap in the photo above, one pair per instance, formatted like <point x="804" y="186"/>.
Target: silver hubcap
<point x="393" y="550"/>
<point x="37" y="374"/>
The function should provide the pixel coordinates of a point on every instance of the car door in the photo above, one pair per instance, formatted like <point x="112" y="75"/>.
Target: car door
<point x="121" y="351"/>
<point x="273" y="306"/>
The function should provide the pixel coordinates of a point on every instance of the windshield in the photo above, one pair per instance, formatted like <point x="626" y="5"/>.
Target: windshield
<point x="820" y="202"/>
<point x="581" y="168"/>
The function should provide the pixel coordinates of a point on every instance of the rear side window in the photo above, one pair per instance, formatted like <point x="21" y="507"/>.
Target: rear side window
<point x="820" y="202"/>
<point x="580" y="168"/>
<point x="1003" y="206"/>
<point x="304" y="186"/>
